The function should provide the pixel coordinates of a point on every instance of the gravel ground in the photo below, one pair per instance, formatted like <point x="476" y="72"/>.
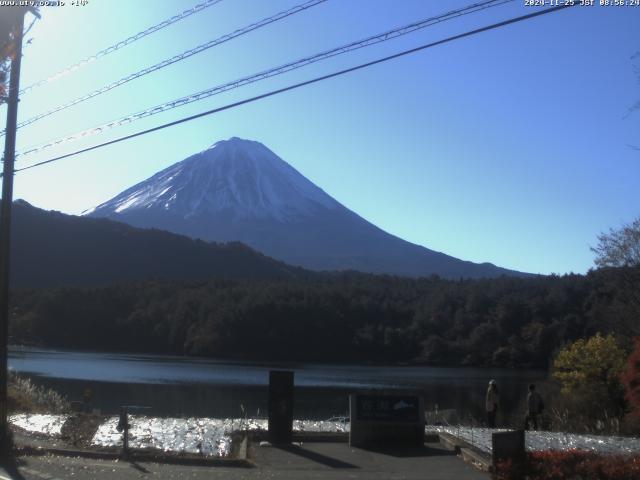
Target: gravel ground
<point x="542" y="440"/>
<point x="208" y="437"/>
<point x="319" y="461"/>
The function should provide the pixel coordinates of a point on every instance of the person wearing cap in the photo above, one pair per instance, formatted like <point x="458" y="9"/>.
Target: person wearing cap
<point x="491" y="404"/>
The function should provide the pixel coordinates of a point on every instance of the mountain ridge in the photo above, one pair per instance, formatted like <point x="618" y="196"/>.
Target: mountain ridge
<point x="53" y="249"/>
<point x="239" y="190"/>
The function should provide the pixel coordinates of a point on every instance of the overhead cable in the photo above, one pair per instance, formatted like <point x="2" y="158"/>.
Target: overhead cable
<point x="302" y="84"/>
<point x="372" y="40"/>
<point x="122" y="43"/>
<point x="174" y="59"/>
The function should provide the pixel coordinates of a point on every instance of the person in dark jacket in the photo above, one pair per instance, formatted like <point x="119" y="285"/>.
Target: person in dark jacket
<point x="491" y="403"/>
<point x="535" y="406"/>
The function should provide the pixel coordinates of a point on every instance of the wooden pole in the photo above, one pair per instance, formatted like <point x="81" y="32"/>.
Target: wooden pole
<point x="5" y="222"/>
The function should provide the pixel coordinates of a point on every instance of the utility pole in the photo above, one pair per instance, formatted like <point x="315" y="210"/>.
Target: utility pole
<point x="5" y="221"/>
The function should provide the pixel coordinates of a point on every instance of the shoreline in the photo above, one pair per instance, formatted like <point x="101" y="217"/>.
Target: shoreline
<point x="259" y="362"/>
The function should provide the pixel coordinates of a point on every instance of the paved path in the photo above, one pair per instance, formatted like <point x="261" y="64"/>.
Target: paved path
<point x="318" y="461"/>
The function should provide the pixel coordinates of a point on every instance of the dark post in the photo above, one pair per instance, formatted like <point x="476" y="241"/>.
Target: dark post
<point x="123" y="426"/>
<point x="125" y="436"/>
<point x="508" y="445"/>
<point x="280" y="406"/>
<point x="5" y="221"/>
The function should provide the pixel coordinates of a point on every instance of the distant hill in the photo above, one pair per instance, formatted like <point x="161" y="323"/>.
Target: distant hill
<point x="239" y="190"/>
<point x="53" y="249"/>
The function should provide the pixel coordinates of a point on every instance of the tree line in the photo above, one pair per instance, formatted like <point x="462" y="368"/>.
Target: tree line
<point x="346" y="317"/>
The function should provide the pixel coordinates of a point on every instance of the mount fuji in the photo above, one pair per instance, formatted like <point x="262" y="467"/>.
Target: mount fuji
<point x="239" y="190"/>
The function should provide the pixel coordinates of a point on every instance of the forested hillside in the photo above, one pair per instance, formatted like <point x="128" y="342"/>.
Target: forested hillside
<point x="514" y="322"/>
<point x="51" y="249"/>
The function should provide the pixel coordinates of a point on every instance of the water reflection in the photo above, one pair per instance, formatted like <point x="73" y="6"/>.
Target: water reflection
<point x="175" y="386"/>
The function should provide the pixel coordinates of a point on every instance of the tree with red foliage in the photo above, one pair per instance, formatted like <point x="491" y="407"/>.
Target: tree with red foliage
<point x="631" y="382"/>
<point x="571" y="465"/>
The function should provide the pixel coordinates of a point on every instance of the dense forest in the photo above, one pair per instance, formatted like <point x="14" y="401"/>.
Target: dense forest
<point x="51" y="249"/>
<point x="347" y="317"/>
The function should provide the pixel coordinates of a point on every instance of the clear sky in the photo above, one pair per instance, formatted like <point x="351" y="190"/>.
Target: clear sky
<point x="513" y="146"/>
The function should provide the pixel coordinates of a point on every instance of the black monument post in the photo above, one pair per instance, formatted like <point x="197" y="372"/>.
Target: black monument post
<point x="280" y="406"/>
<point x="509" y="445"/>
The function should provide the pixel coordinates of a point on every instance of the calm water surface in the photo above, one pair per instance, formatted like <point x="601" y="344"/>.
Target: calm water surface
<point x="204" y="387"/>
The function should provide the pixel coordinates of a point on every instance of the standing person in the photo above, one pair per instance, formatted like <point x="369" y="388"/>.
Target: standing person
<point x="535" y="406"/>
<point x="86" y="400"/>
<point x="491" y="404"/>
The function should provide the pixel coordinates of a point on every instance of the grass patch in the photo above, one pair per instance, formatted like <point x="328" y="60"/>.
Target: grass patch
<point x="23" y="396"/>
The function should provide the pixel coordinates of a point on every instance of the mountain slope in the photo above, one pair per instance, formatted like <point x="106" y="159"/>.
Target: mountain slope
<point x="240" y="190"/>
<point x="51" y="249"/>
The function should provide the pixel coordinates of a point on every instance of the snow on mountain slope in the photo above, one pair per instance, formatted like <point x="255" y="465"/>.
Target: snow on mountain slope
<point x="240" y="190"/>
<point x="238" y="176"/>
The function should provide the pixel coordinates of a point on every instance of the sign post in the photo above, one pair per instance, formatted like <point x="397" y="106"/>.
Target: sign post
<point x="386" y="419"/>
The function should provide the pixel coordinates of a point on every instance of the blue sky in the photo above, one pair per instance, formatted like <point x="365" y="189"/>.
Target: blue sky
<point x="512" y="146"/>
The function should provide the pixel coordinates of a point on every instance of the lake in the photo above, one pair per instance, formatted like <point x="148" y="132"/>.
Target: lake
<point x="173" y="386"/>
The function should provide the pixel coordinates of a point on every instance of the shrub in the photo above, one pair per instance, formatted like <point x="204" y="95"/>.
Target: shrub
<point x="24" y="396"/>
<point x="631" y="382"/>
<point x="571" y="465"/>
<point x="589" y="373"/>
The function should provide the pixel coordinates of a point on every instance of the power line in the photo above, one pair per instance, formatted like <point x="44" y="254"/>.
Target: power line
<point x="372" y="40"/>
<point x="177" y="58"/>
<point x="28" y="29"/>
<point x="117" y="46"/>
<point x="305" y="83"/>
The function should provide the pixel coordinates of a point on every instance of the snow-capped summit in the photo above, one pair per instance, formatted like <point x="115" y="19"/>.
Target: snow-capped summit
<point x="240" y="190"/>
<point x="241" y="178"/>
